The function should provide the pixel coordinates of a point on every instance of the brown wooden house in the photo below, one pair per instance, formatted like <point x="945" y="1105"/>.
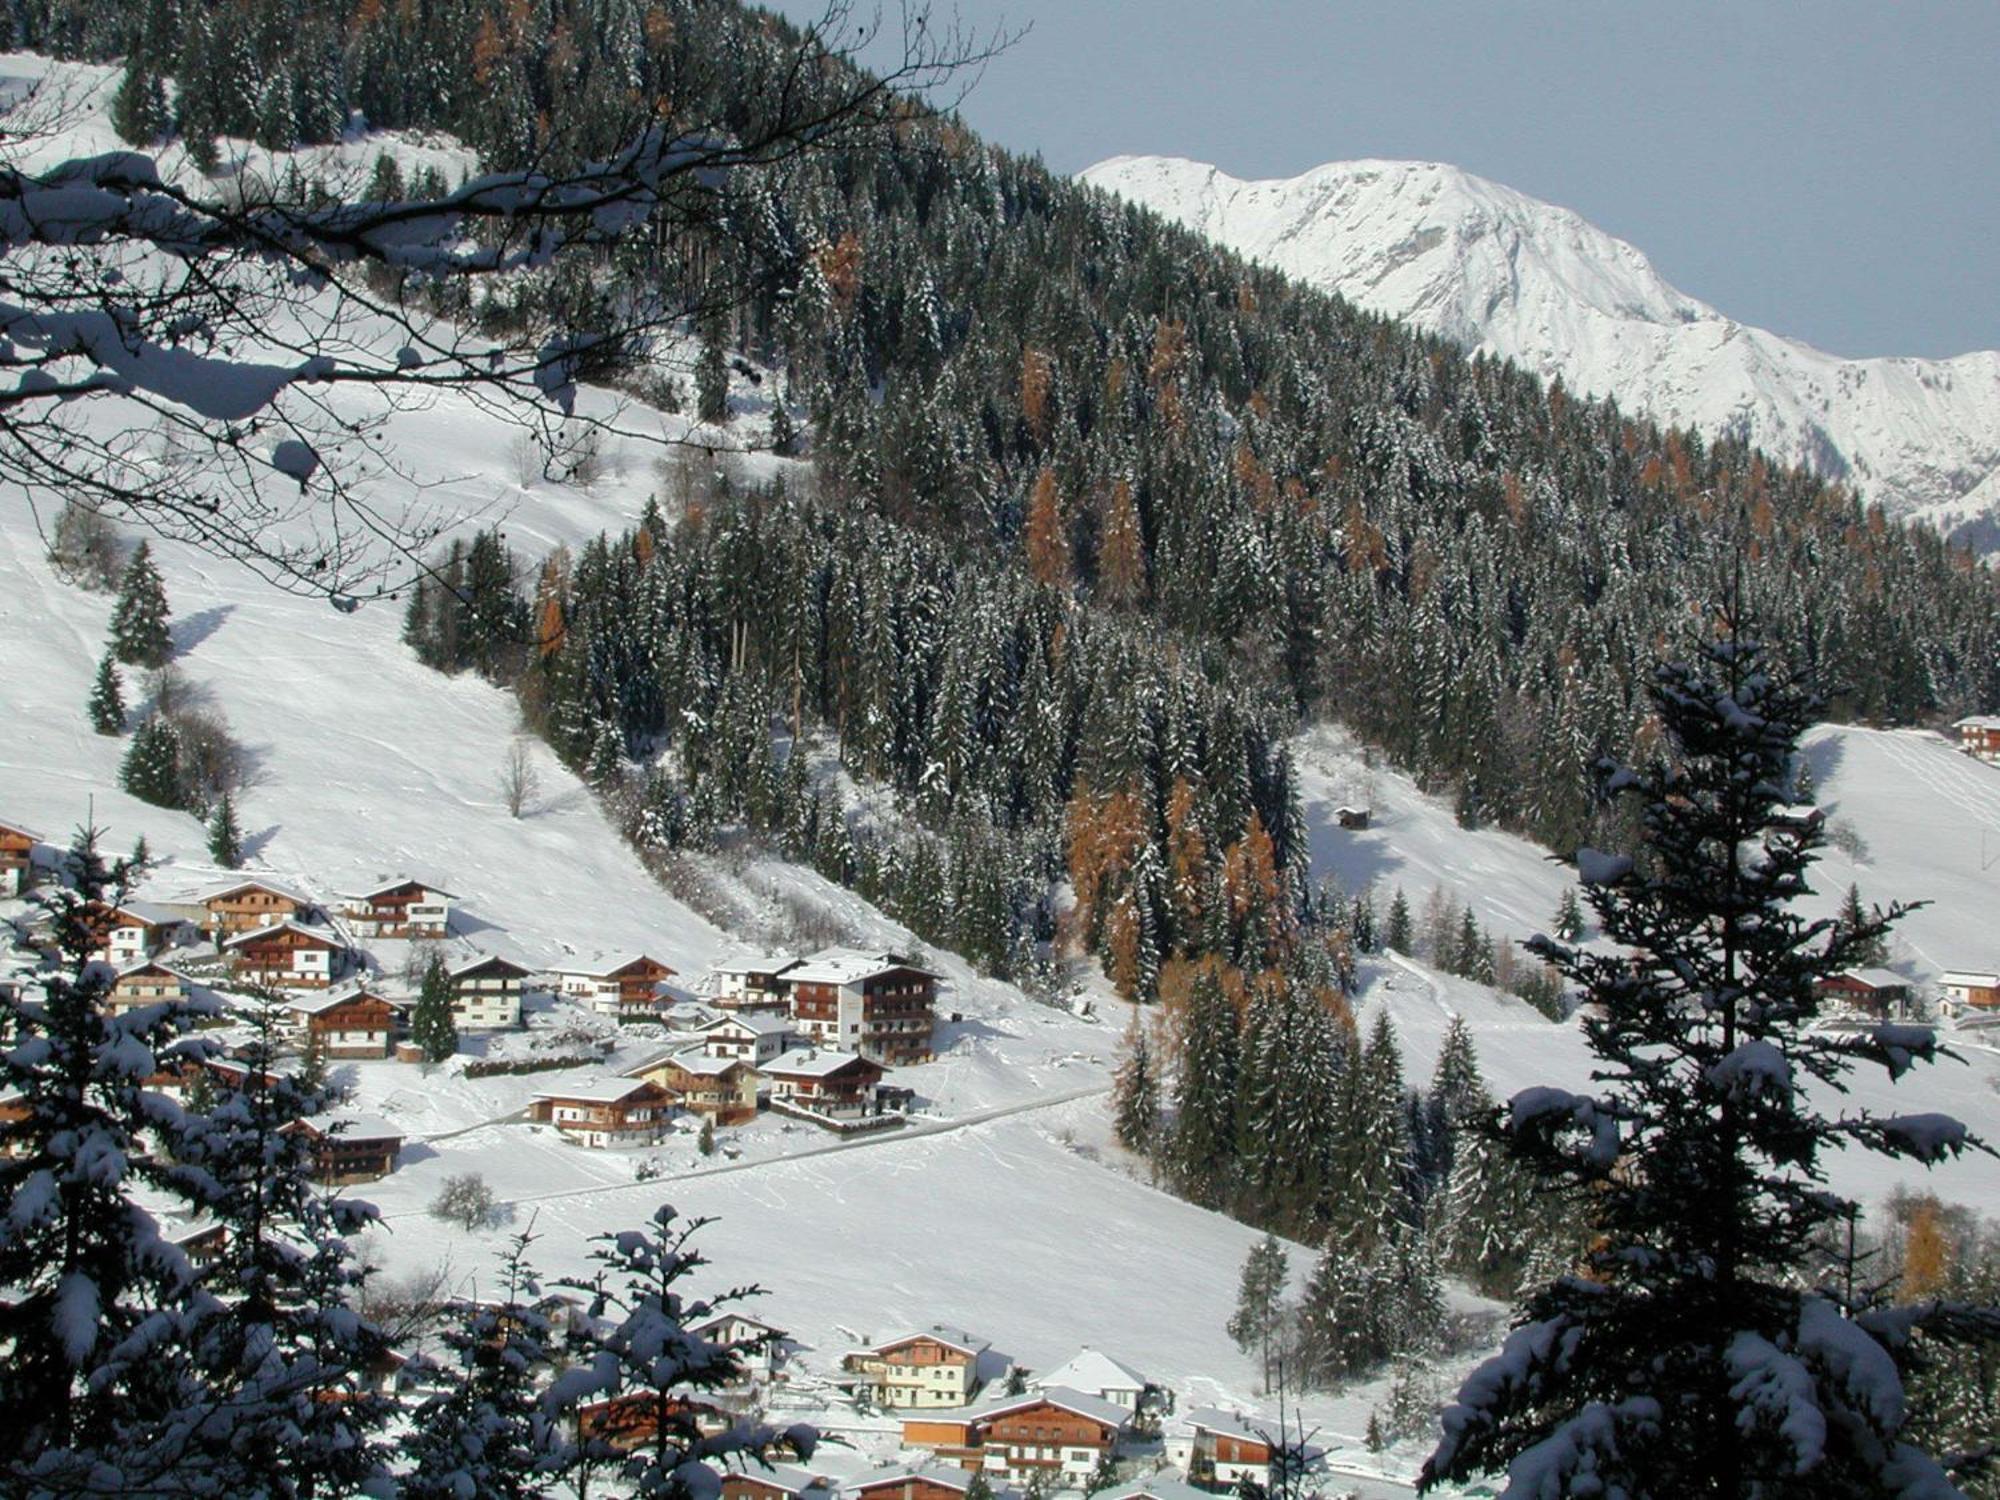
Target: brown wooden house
<point x="1874" y="992"/>
<point x="632" y="1421"/>
<point x="723" y="1088"/>
<point x="352" y="1148"/>
<point x="1971" y="991"/>
<point x="620" y="985"/>
<point x="837" y="1085"/>
<point x="611" y="1112"/>
<point x="928" y="1482"/>
<point x="1979" y="735"/>
<point x="147" y="982"/>
<point x="250" y="904"/>
<point x="17" y="858"/>
<point x="353" y="1022"/>
<point x="287" y="955"/>
<point x="778" y="1482"/>
<point x="399" y="908"/>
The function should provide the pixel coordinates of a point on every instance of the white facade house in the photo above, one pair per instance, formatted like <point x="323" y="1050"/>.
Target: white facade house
<point x="1220" y="1448"/>
<point x="758" y="1346"/>
<point x="1100" y="1375"/>
<point x="486" y="993"/>
<point x="1970" y="992"/>
<point x="399" y="907"/>
<point x="936" y="1368"/>
<point x="747" y="983"/>
<point x="140" y="929"/>
<point x="753" y="1036"/>
<point x="620" y="984"/>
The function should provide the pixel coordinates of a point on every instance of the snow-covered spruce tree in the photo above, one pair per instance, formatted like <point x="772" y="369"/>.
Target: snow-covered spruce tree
<point x="1690" y="1362"/>
<point x="488" y="1432"/>
<point x="431" y="1025"/>
<point x="107" y="699"/>
<point x="1259" y="1298"/>
<point x="1136" y="1093"/>
<point x="649" y="1364"/>
<point x="225" y="838"/>
<point x="1202" y="1144"/>
<point x="151" y="770"/>
<point x="99" y="1308"/>
<point x="283" y="1359"/>
<point x="139" y="634"/>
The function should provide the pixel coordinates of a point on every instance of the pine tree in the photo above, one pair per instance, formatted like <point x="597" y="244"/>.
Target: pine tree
<point x="1693" y="1362"/>
<point x="139" y="634"/>
<point x="1203" y="1147"/>
<point x="139" y="110"/>
<point x="1568" y="926"/>
<point x="1872" y="949"/>
<point x="151" y="770"/>
<point x="1136" y="1093"/>
<point x="225" y="839"/>
<point x="432" y="1026"/>
<point x="107" y="699"/>
<point x="711" y="378"/>
<point x="1398" y="932"/>
<point x="311" y="1073"/>
<point x="1259" y="1299"/>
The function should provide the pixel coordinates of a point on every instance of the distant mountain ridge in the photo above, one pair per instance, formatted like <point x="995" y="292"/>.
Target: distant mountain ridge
<point x="1510" y="275"/>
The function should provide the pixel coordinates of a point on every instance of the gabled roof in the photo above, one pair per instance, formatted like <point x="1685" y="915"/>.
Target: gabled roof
<point x="812" y="1063"/>
<point x="1081" y="1402"/>
<point x="603" y="967"/>
<point x="396" y="883"/>
<point x="354" y="1127"/>
<point x="1970" y="721"/>
<point x="148" y="913"/>
<point x="481" y="960"/>
<point x="731" y="1316"/>
<point x="954" y="1338"/>
<point x="1155" y="1487"/>
<point x="1876" y="979"/>
<point x="849" y="966"/>
<point x="139" y="966"/>
<point x="702" y="1065"/>
<point x="312" y="1005"/>
<point x="947" y="1476"/>
<point x="318" y="934"/>
<point x="1226" y="1424"/>
<point x="1092" y="1371"/>
<point x="20" y="829"/>
<point x="756" y="963"/>
<point x="599" y="1090"/>
<point x="756" y="1023"/>
<point x="787" y="1477"/>
<point x="219" y="892"/>
<point x="1971" y="978"/>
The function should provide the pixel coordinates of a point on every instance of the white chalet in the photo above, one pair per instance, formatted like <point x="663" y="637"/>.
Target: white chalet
<point x="141" y="929"/>
<point x="1102" y="1376"/>
<point x="754" y="1036"/>
<point x="486" y="992"/>
<point x="399" y="908"/>
<point x="758" y="1345"/>
<point x="936" y="1367"/>
<point x="754" y="982"/>
<point x="618" y="985"/>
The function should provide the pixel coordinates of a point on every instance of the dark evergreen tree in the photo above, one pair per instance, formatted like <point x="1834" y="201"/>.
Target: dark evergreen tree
<point x="1872" y="950"/>
<point x="1260" y="1300"/>
<point x="1398" y="932"/>
<point x="1568" y="925"/>
<point x="1136" y="1093"/>
<point x="1693" y="1361"/>
<point x="151" y="770"/>
<point x="1202" y="1148"/>
<point x="711" y="378"/>
<point x="107" y="699"/>
<point x="139" y="634"/>
<point x="225" y="838"/>
<point x="432" y="1026"/>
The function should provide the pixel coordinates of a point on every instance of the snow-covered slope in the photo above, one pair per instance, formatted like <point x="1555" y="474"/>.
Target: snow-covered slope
<point x="1498" y="271"/>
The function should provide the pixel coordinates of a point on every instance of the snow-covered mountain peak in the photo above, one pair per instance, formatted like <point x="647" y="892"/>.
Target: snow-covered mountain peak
<point x="1499" y="271"/>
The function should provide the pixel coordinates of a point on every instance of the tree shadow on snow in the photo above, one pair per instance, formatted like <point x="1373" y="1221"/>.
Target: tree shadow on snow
<point x="190" y="631"/>
<point x="254" y="845"/>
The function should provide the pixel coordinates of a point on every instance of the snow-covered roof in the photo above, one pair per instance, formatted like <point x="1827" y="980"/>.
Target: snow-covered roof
<point x="697" y="1062"/>
<point x="317" y="934"/>
<point x="354" y="1127"/>
<point x="674" y="996"/>
<point x="1972" y="979"/>
<point x="141" y="965"/>
<point x="1225" y="1423"/>
<point x="19" y="829"/>
<point x="148" y="913"/>
<point x="221" y="892"/>
<point x="756" y="963"/>
<point x="810" y="1063"/>
<point x="1081" y="1402"/>
<point x="755" y="1023"/>
<point x="942" y="1333"/>
<point x="948" y="1476"/>
<point x="598" y="1090"/>
<point x="1155" y="1487"/>
<point x="1093" y="1371"/>
<point x="1877" y="979"/>
<point x="396" y="883"/>
<point x="481" y="960"/>
<point x="1977" y="721"/>
<point x="312" y="1005"/>
<point x="787" y="1477"/>
<point x="849" y="966"/>
<point x="603" y="967"/>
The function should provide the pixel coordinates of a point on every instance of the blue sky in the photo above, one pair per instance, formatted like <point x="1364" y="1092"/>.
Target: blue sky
<point x="1829" y="170"/>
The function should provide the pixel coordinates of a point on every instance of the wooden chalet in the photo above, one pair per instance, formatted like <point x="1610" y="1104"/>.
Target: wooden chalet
<point x="1970" y="991"/>
<point x="1056" y="1435"/>
<point x="17" y="858"/>
<point x="612" y="1112"/>
<point x="936" y="1367"/>
<point x="612" y="985"/>
<point x="351" y="1148"/>
<point x="1874" y="992"/>
<point x="880" y="1005"/>
<point x="399" y="908"/>
<point x="287" y="955"/>
<point x="1979" y="734"/>
<point x="202" y="1243"/>
<point x="250" y="904"/>
<point x="1212" y="1447"/>
<point x="632" y="1421"/>
<point x="1355" y="819"/>
<point x="353" y="1022"/>
<point x="927" y="1482"/>
<point x="146" y="982"/>
<point x="1155" y="1487"/>
<point x="486" y="992"/>
<point x="754" y="983"/>
<point x="828" y="1086"/>
<point x="723" y="1088"/>
<point x="778" y="1482"/>
<point x="137" y="929"/>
